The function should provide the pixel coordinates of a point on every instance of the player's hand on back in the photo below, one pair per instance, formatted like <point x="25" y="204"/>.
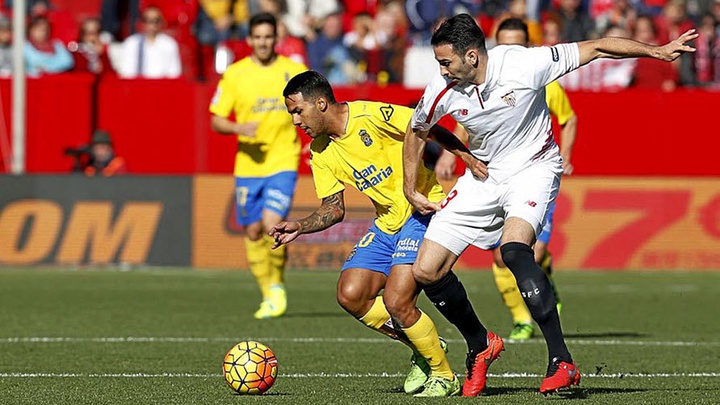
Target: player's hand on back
<point x="284" y="233"/>
<point x="477" y="167"/>
<point x="422" y="204"/>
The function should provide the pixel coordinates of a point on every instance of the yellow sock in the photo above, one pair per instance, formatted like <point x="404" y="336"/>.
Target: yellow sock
<point x="425" y="338"/>
<point x="259" y="260"/>
<point x="510" y="294"/>
<point x="276" y="261"/>
<point x="378" y="318"/>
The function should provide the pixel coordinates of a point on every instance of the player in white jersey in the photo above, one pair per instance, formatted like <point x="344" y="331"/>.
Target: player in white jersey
<point x="513" y="170"/>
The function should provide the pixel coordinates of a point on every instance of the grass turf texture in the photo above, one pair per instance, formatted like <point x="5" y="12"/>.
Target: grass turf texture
<point x="159" y="336"/>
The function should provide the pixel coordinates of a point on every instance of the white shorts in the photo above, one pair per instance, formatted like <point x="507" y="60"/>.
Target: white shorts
<point x="474" y="211"/>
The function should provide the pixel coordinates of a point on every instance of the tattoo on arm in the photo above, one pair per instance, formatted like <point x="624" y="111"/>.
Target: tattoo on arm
<point x="330" y="212"/>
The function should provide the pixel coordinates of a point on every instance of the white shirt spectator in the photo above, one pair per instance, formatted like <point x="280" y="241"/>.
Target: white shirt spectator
<point x="151" y="59"/>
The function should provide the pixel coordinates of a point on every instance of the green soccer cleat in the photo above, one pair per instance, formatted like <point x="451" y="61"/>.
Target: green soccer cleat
<point x="437" y="386"/>
<point x="522" y="331"/>
<point x="419" y="371"/>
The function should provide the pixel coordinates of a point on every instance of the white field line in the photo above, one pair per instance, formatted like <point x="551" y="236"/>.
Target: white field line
<point x="339" y="375"/>
<point x="159" y="339"/>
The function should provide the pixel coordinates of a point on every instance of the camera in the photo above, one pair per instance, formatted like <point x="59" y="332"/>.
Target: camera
<point x="79" y="151"/>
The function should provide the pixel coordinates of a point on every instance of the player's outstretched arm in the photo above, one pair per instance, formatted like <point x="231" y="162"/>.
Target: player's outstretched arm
<point x="330" y="212"/>
<point x="413" y="148"/>
<point x="619" y="48"/>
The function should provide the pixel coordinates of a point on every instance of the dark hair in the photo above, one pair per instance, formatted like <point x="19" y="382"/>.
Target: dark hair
<point x="312" y="85"/>
<point x="513" y="24"/>
<point x="263" y="18"/>
<point x="461" y="32"/>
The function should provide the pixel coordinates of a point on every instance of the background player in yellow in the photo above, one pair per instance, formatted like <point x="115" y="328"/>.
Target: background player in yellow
<point x="514" y="31"/>
<point x="268" y="153"/>
<point x="360" y="144"/>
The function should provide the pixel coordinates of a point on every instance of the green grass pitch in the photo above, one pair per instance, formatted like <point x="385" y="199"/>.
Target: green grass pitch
<point x="158" y="336"/>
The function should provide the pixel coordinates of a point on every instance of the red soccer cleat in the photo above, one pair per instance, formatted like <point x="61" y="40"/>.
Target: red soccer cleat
<point x="477" y="366"/>
<point x="565" y="375"/>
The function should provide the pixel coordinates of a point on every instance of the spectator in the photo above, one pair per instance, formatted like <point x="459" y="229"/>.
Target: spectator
<point x="652" y="73"/>
<point x="602" y="74"/>
<point x="328" y="55"/>
<point x="551" y="32"/>
<point x="621" y="14"/>
<point x="707" y="57"/>
<point x="672" y="22"/>
<point x="103" y="161"/>
<point x="304" y="17"/>
<point x="288" y="45"/>
<point x="518" y="9"/>
<point x="112" y="15"/>
<point x="6" y="52"/>
<point x="43" y="54"/>
<point x="63" y="23"/>
<point x="220" y="20"/>
<point x="90" y="54"/>
<point x="575" y="24"/>
<point x="150" y="54"/>
<point x="391" y="22"/>
<point x="365" y="43"/>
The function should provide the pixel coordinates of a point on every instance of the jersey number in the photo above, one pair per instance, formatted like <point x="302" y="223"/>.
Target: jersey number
<point x="366" y="240"/>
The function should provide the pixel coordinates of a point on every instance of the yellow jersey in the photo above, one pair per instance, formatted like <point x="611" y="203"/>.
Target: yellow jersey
<point x="254" y="93"/>
<point x="369" y="157"/>
<point x="558" y="102"/>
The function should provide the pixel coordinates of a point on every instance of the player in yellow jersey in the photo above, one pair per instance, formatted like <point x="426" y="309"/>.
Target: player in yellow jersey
<point x="514" y="31"/>
<point x="359" y="144"/>
<point x="268" y="153"/>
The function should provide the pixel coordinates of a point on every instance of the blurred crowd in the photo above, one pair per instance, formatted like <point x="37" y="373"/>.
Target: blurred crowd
<point x="350" y="41"/>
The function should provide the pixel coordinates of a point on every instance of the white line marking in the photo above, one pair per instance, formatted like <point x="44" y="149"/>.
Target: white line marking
<point x="158" y="339"/>
<point x="339" y="375"/>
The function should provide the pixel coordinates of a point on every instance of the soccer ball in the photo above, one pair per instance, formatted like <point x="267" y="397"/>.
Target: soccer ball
<point x="250" y="368"/>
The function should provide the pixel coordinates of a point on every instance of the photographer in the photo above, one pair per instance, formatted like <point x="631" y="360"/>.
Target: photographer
<point x="98" y="158"/>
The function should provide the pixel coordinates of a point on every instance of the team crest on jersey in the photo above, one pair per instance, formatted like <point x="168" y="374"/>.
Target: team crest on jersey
<point x="287" y="77"/>
<point x="365" y="137"/>
<point x="387" y="112"/>
<point x="509" y="98"/>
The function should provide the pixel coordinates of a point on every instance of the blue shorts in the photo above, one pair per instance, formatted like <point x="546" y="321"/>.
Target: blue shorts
<point x="546" y="232"/>
<point x="253" y="195"/>
<point x="379" y="251"/>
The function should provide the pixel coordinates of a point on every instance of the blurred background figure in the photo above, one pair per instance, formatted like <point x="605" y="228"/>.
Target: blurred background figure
<point x="6" y="52"/>
<point x="603" y="74"/>
<point x="44" y="54"/>
<point x="112" y="15"/>
<point x="90" y="54"/>
<point x="150" y="54"/>
<point x="102" y="160"/>
<point x="328" y="55"/>
<point x="652" y="73"/>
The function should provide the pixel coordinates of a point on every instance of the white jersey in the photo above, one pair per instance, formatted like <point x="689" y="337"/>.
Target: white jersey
<point x="506" y="117"/>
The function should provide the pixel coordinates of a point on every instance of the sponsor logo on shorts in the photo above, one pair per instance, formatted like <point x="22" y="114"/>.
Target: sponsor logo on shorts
<point x="407" y="245"/>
